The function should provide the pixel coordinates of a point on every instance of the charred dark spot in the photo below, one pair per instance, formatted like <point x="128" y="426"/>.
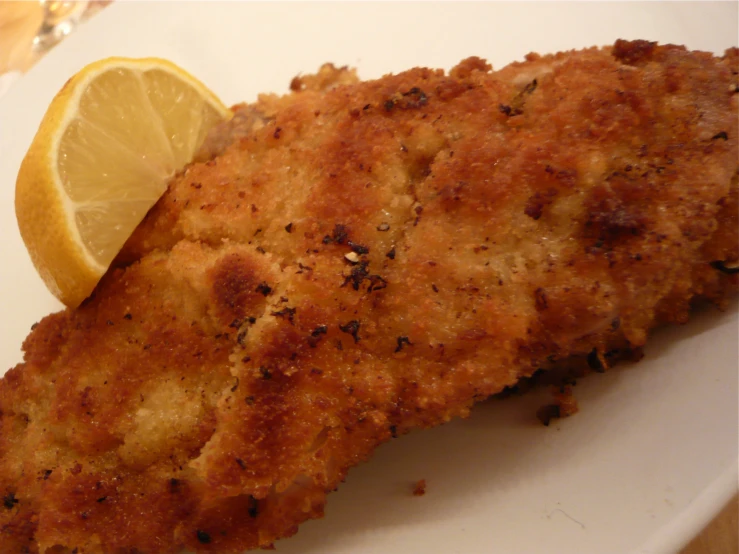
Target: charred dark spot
<point x="203" y="537"/>
<point x="316" y="335"/>
<point x="507" y="110"/>
<point x="241" y="463"/>
<point x="414" y="98"/>
<point x="129" y="317"/>
<point x="391" y="254"/>
<point x="266" y="373"/>
<point x="402" y="341"/>
<point x="320" y="330"/>
<point x="351" y="328"/>
<point x="249" y="400"/>
<point x="389" y="105"/>
<point x="358" y="274"/>
<point x="233" y="287"/>
<point x="615" y="215"/>
<point x="9" y="500"/>
<point x="339" y="235"/>
<point x="536" y="203"/>
<point x="546" y="414"/>
<point x="277" y="132"/>
<point x="263" y="288"/>
<point x="434" y="288"/>
<point x="721" y="135"/>
<point x="101" y="499"/>
<point x="46" y="474"/>
<point x="253" y="507"/>
<point x="289" y="227"/>
<point x="394" y="431"/>
<point x="376" y="283"/>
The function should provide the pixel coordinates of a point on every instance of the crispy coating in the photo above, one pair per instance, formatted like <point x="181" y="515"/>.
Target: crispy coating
<point x="354" y="260"/>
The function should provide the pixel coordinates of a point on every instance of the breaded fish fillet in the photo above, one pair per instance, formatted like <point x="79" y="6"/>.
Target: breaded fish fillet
<point x="357" y="259"/>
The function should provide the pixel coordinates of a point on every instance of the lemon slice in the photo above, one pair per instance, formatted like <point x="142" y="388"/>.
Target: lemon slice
<point x="109" y="142"/>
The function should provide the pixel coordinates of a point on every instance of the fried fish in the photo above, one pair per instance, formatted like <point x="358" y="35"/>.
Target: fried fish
<point x="357" y="259"/>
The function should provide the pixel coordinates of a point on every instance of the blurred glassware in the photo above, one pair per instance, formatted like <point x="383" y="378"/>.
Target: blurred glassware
<point x="59" y="19"/>
<point x="28" y="29"/>
<point x="19" y="24"/>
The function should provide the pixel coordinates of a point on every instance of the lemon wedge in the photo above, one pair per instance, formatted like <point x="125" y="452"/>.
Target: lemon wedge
<point x="102" y="156"/>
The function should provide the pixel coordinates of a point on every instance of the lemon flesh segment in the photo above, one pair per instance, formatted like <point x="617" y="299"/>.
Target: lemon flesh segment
<point x="113" y="162"/>
<point x="109" y="142"/>
<point x="185" y="114"/>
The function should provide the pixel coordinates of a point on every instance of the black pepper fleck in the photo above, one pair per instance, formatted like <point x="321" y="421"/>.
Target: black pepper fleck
<point x="358" y="248"/>
<point x="351" y="328"/>
<point x="286" y="313"/>
<point x="402" y="341"/>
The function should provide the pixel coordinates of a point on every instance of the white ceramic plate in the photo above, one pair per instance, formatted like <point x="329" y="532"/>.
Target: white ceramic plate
<point x="651" y="457"/>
